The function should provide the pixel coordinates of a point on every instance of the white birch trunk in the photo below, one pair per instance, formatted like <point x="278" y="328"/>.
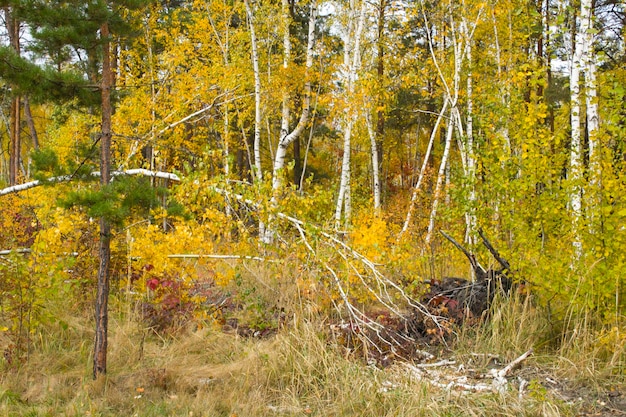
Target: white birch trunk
<point x="374" y="155"/>
<point x="440" y="178"/>
<point x="470" y="154"/>
<point x="284" y="124"/>
<point x="257" y="94"/>
<point x="352" y="61"/>
<point x="288" y="138"/>
<point x="420" y="179"/>
<point x="576" y="172"/>
<point x="224" y="46"/>
<point x="258" y="169"/>
<point x="343" y="205"/>
<point x="588" y="61"/>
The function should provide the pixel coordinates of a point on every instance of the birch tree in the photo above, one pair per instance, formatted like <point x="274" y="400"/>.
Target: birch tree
<point x="258" y="174"/>
<point x="575" y="174"/>
<point x="286" y="137"/>
<point x="351" y="66"/>
<point x="460" y="38"/>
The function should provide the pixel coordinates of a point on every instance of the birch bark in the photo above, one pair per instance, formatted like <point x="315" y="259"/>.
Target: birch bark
<point x="352" y="63"/>
<point x="440" y="177"/>
<point x="588" y="62"/>
<point x="375" y="162"/>
<point x="575" y="174"/>
<point x="257" y="94"/>
<point x="420" y="179"/>
<point x="289" y="137"/>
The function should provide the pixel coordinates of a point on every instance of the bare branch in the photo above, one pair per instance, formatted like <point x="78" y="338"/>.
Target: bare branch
<point x="472" y="258"/>
<point x="493" y="251"/>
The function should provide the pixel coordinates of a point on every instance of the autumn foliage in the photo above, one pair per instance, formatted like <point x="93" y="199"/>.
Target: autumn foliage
<point x="464" y="105"/>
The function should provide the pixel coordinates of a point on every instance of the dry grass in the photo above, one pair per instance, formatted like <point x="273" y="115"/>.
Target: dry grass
<point x="209" y="373"/>
<point x="298" y="372"/>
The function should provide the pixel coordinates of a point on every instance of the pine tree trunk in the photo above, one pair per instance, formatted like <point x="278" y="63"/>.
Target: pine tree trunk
<point x="13" y="30"/>
<point x="102" y="296"/>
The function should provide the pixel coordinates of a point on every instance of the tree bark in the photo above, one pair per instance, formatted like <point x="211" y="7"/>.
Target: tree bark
<point x="380" y="72"/>
<point x="257" y="94"/>
<point x="588" y="60"/>
<point x="288" y="137"/>
<point x="470" y="172"/>
<point x="13" y="30"/>
<point x="375" y="163"/>
<point x="15" y="143"/>
<point x="31" y="124"/>
<point x="440" y="177"/>
<point x="416" y="188"/>
<point x="352" y="62"/>
<point x="575" y="174"/>
<point x="102" y="296"/>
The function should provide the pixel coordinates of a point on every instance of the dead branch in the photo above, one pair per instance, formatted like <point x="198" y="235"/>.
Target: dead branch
<point x="453" y="378"/>
<point x="472" y="258"/>
<point x="382" y="289"/>
<point x="505" y="264"/>
<point x="499" y="377"/>
<point x="26" y="251"/>
<point x="507" y="369"/>
<point x="443" y="362"/>
<point x="10" y="251"/>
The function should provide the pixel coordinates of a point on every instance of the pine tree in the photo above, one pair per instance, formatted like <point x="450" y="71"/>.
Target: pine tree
<point x="74" y="38"/>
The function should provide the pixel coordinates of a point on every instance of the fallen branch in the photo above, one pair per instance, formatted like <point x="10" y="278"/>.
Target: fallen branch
<point x="196" y="256"/>
<point x="10" y="251"/>
<point x="472" y="258"/>
<point x="25" y="251"/>
<point x="454" y="379"/>
<point x="64" y="178"/>
<point x="383" y="290"/>
<point x="443" y="362"/>
<point x="507" y="369"/>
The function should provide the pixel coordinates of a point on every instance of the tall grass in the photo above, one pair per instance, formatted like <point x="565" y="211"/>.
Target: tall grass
<point x="297" y="372"/>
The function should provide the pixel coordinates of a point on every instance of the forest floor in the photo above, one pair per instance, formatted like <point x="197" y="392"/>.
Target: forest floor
<point x="299" y="370"/>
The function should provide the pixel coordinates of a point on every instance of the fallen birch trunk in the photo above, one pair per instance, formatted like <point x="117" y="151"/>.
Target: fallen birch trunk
<point x="64" y="178"/>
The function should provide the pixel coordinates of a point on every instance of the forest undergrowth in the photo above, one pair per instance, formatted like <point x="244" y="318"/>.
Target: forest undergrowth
<point x="225" y="364"/>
